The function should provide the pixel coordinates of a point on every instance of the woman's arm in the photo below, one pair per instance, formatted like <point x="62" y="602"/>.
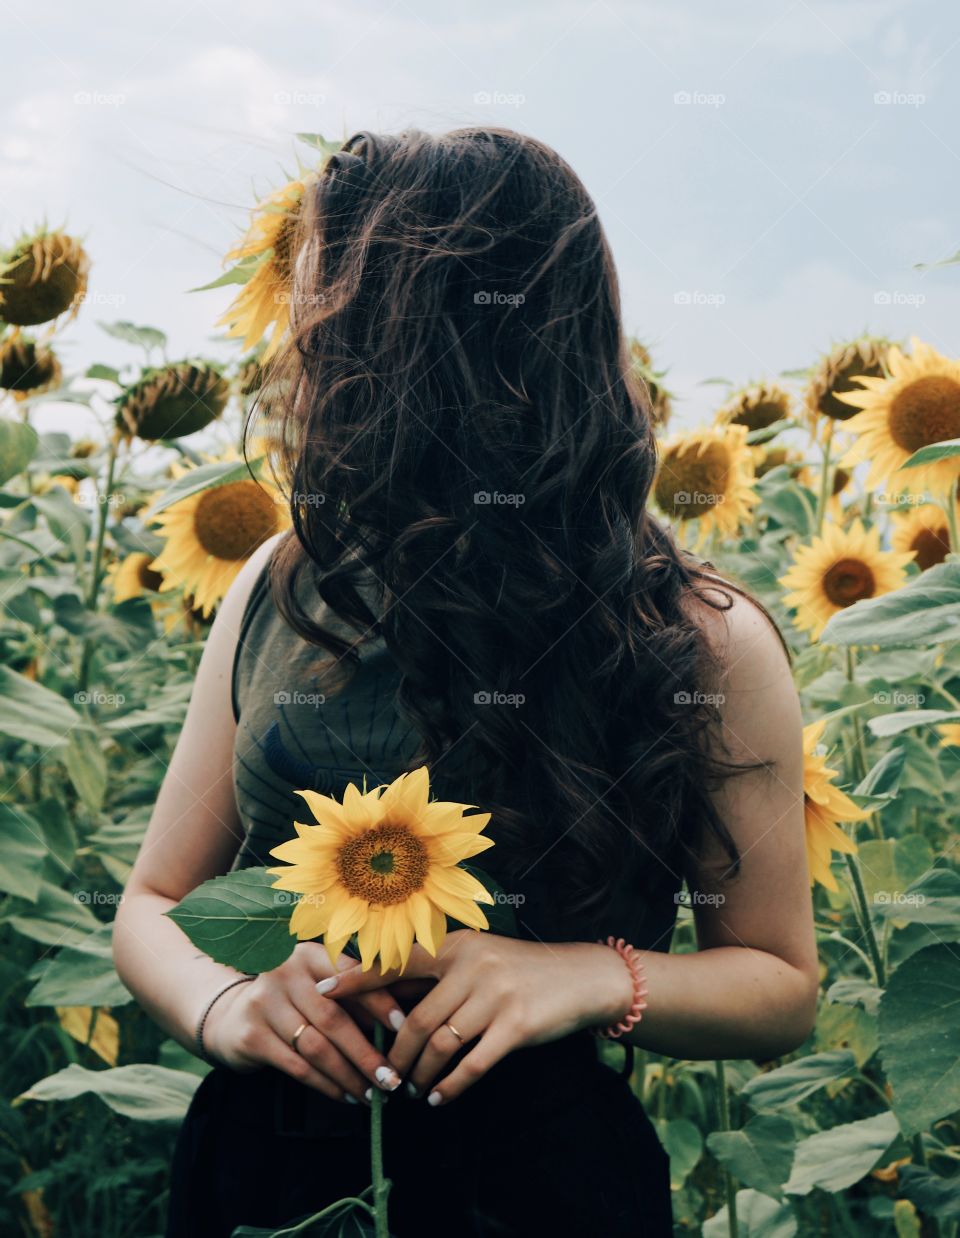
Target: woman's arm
<point x="750" y="990"/>
<point x="194" y="834"/>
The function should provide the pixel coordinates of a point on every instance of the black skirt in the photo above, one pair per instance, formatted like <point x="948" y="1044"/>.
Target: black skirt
<point x="550" y="1142"/>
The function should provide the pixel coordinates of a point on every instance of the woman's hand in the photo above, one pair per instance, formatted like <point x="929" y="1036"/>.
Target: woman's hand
<point x="254" y="1024"/>
<point x="500" y="994"/>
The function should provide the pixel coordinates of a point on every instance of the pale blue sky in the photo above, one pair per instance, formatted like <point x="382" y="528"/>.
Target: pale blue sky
<point x="786" y="200"/>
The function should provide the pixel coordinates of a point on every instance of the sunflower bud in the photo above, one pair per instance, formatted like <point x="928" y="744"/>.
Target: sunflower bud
<point x="173" y="401"/>
<point x="27" y="368"/>
<point x="41" y="278"/>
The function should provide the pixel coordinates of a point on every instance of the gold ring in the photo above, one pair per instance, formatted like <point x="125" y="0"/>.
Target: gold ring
<point x="455" y="1032"/>
<point x="296" y="1036"/>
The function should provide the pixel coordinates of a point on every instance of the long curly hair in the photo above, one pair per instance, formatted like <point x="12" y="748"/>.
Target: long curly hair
<point x="459" y="426"/>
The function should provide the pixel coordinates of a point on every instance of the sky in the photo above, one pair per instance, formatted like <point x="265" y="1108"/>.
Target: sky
<point x="769" y="173"/>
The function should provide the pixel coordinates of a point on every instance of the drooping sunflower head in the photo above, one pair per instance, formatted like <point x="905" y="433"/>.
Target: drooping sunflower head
<point x="837" y="569"/>
<point x="26" y="367"/>
<point x="707" y="475"/>
<point x="768" y="458"/>
<point x="249" y="373"/>
<point x="42" y="277"/>
<point x="209" y="536"/>
<point x="825" y="807"/>
<point x="923" y="532"/>
<point x="267" y="253"/>
<point x="642" y="371"/>
<point x="133" y="577"/>
<point x="384" y="865"/>
<point x="917" y="406"/>
<point x="756" y="406"/>
<point x="837" y="373"/>
<point x="173" y="401"/>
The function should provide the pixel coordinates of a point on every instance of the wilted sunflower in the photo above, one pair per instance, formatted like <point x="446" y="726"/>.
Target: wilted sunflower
<point x="210" y="535"/>
<point x="26" y="367"/>
<point x="641" y="369"/>
<point x="836" y="372"/>
<point x="838" y="568"/>
<point x="924" y="531"/>
<point x="756" y="406"/>
<point x="132" y="577"/>
<point x="918" y="405"/>
<point x="825" y="805"/>
<point x="383" y="865"/>
<point x="267" y="248"/>
<point x="708" y="475"/>
<point x="173" y="401"/>
<point x="42" y="277"/>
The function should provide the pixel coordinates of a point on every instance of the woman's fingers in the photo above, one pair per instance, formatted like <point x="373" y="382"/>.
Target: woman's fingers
<point x="428" y="1016"/>
<point x="331" y="1021"/>
<point x="277" y="1053"/>
<point x="382" y="1006"/>
<point x="444" y="1044"/>
<point x="495" y="1044"/>
<point x="326" y="1058"/>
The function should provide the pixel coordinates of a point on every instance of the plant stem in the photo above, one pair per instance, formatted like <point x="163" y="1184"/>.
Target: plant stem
<point x="952" y="517"/>
<point x="381" y="1185"/>
<point x="866" y="923"/>
<point x="723" y="1114"/>
<point x="825" y="477"/>
<point x="96" y="572"/>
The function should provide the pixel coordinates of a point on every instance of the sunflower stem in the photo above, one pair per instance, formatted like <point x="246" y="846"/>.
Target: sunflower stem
<point x="96" y="568"/>
<point x="825" y="475"/>
<point x="381" y="1185"/>
<point x="952" y="517"/>
<point x="866" y="921"/>
<point x="723" y="1124"/>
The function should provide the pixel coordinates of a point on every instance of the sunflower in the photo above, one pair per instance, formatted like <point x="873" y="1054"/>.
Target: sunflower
<point x="824" y="806"/>
<point x="266" y="248"/>
<point x="918" y="405"/>
<point x="173" y="401"/>
<point x="836" y="373"/>
<point x="766" y="458"/>
<point x="42" y="277"/>
<point x="838" y="568"/>
<point x="383" y="865"/>
<point x="642" y="371"/>
<point x="924" y="532"/>
<point x="756" y="407"/>
<point x="132" y="577"/>
<point x="211" y="534"/>
<point x="27" y="368"/>
<point x="949" y="733"/>
<point x="708" y="475"/>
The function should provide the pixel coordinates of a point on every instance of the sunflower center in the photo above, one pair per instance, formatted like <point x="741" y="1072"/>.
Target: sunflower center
<point x="927" y="411"/>
<point x="383" y="865"/>
<point x="760" y="414"/>
<point x="232" y="521"/>
<point x="847" y="581"/>
<point x="689" y="484"/>
<point x="932" y="546"/>
<point x="842" y="383"/>
<point x="148" y="578"/>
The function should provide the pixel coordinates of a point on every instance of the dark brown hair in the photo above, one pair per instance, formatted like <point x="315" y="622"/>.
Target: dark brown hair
<point x="460" y="424"/>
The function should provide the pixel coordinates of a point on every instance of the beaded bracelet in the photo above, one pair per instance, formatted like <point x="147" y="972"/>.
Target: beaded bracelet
<point x="635" y="966"/>
<point x="201" y="1022"/>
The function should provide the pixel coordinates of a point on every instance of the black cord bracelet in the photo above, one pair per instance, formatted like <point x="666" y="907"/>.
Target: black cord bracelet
<point x="198" y="1035"/>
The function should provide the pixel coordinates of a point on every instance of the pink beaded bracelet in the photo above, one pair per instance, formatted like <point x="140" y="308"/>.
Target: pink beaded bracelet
<point x="635" y="966"/>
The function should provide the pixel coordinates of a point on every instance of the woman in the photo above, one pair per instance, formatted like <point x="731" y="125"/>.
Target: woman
<point x="473" y="582"/>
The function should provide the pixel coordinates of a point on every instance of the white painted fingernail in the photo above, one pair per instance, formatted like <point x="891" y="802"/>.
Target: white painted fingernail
<point x="368" y="1095"/>
<point x="325" y="986"/>
<point x="396" y="1019"/>
<point x="387" y="1078"/>
<point x="412" y="1091"/>
<point x="351" y="1100"/>
<point x="434" y="1098"/>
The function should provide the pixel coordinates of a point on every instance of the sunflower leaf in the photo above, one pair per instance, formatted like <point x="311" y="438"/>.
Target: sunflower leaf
<point x="220" y="473"/>
<point x="240" y="920"/>
<point x="932" y="452"/>
<point x="924" y="612"/>
<point x="501" y="914"/>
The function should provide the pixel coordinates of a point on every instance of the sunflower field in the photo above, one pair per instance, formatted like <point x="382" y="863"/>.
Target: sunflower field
<point x="831" y="493"/>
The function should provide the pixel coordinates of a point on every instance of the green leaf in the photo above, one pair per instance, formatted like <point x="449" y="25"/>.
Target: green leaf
<point x="794" y="1082"/>
<point x="883" y="780"/>
<point x="343" y="1220"/>
<point x="934" y="899"/>
<point x="905" y="720"/>
<point x="148" y="1093"/>
<point x="55" y="919"/>
<point x="87" y="767"/>
<point x="933" y="1195"/>
<point x="792" y="508"/>
<point x="684" y="1145"/>
<point x="18" y="442"/>
<point x="31" y="712"/>
<point x="759" y="1154"/>
<point x="143" y="337"/>
<point x="81" y="975"/>
<point x="105" y="372"/>
<point x="501" y="914"/>
<point x="942" y="262"/>
<point x="66" y="519"/>
<point x="919" y="1042"/>
<point x="758" y="1216"/>
<point x="855" y="992"/>
<point x="240" y="920"/>
<point x="240" y="273"/>
<point x="946" y="449"/>
<point x="319" y="142"/>
<point x="889" y="865"/>
<point x="220" y="473"/>
<point x="924" y="612"/>
<point x="837" y="1158"/>
<point x="23" y="853"/>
